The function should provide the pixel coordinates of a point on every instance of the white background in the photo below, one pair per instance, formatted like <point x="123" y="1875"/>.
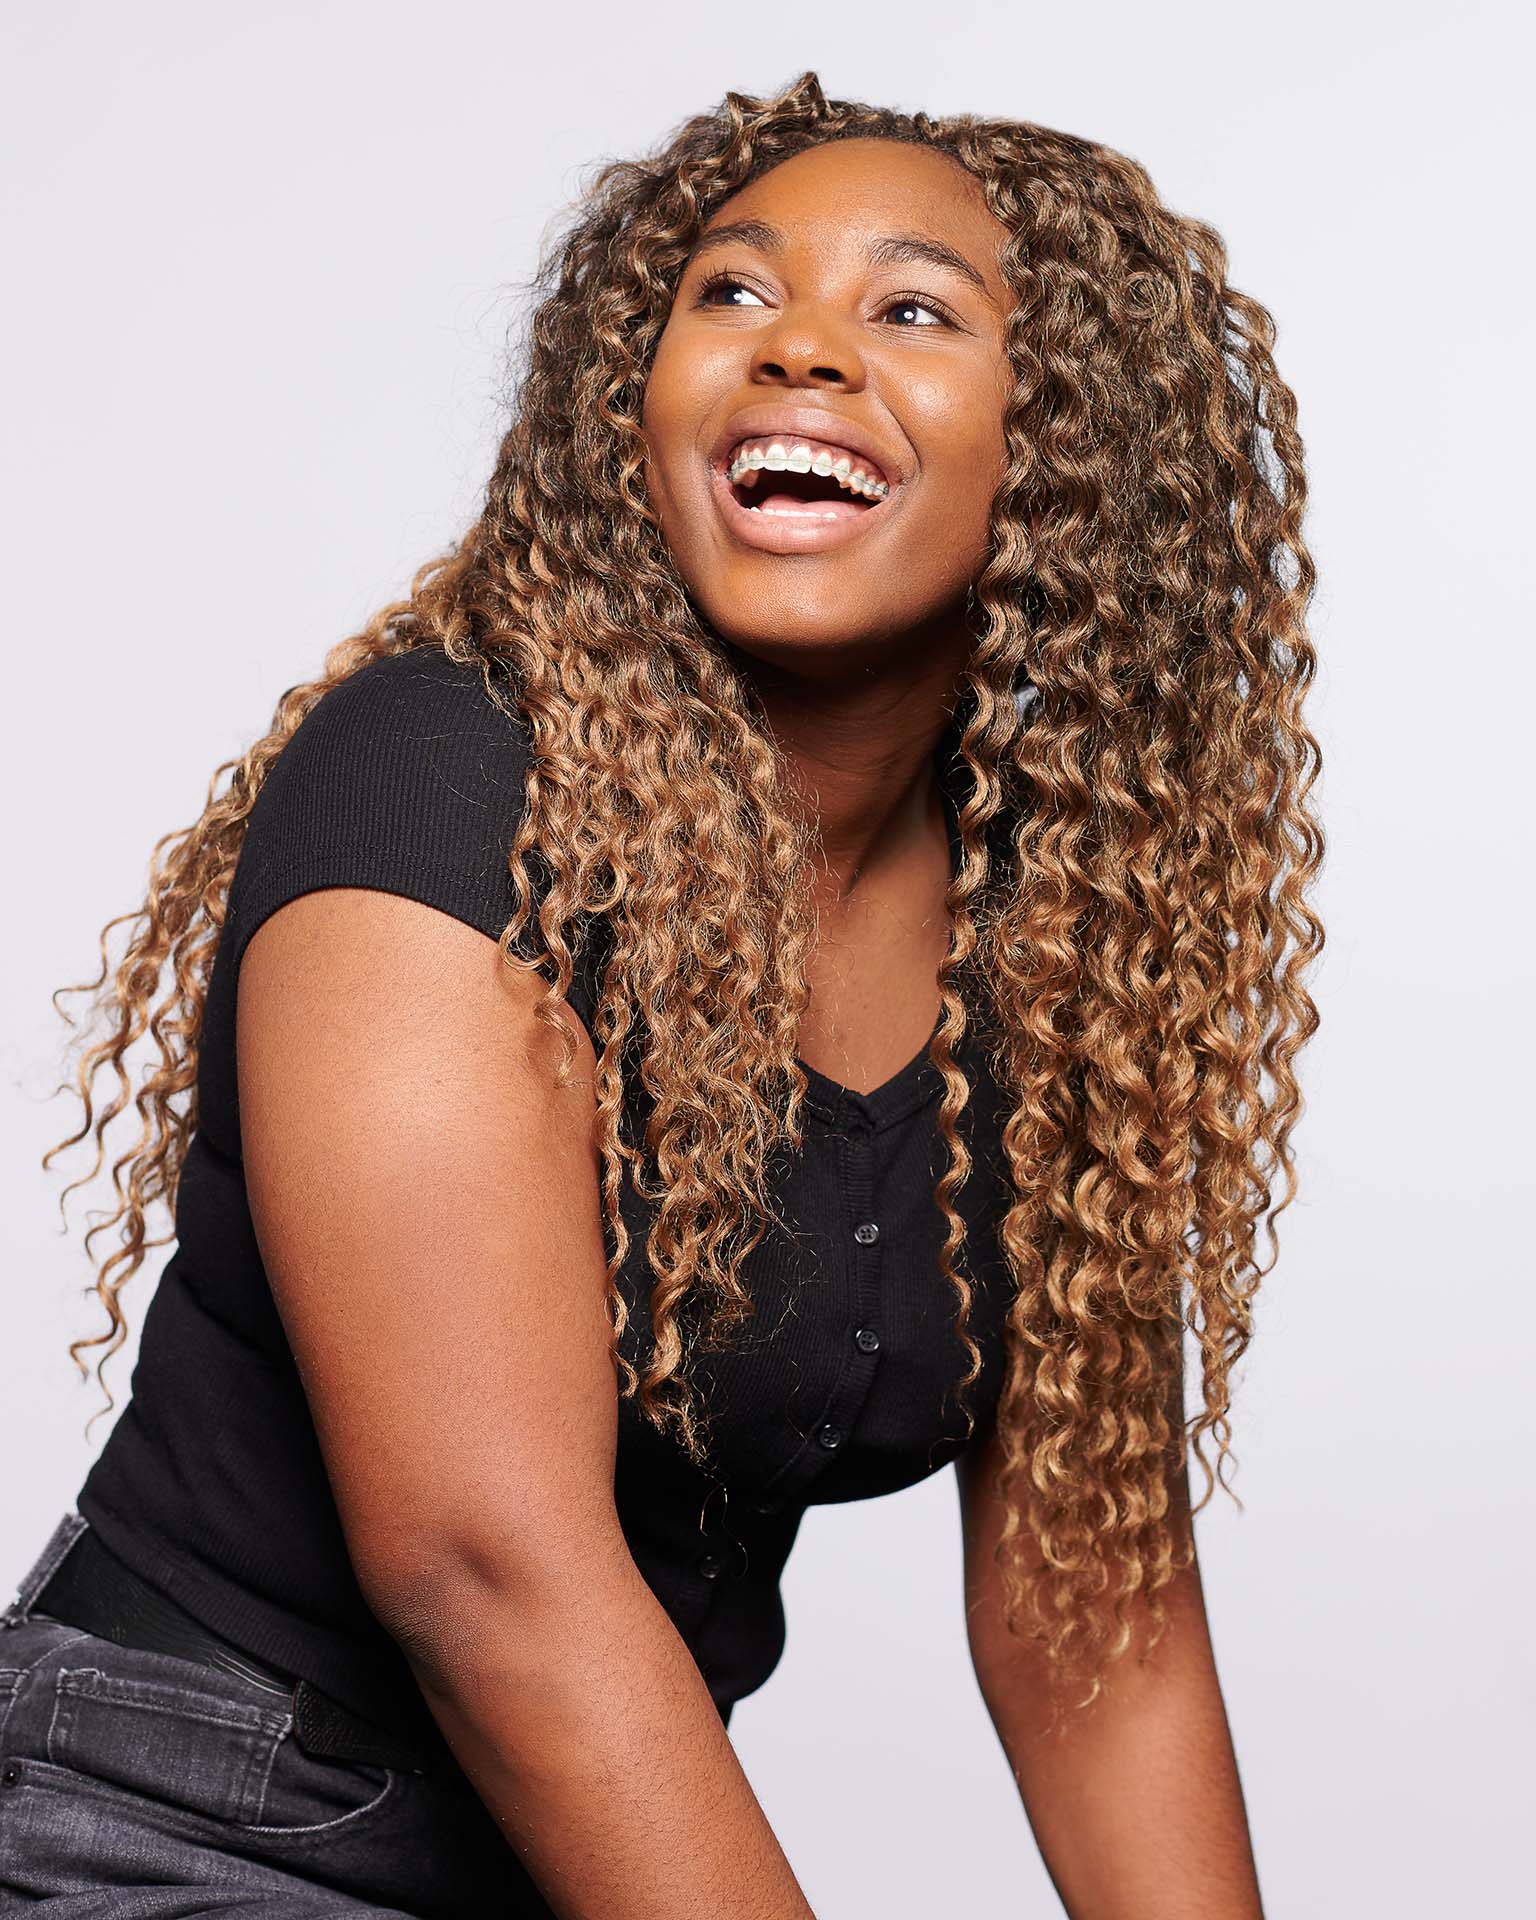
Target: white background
<point x="261" y="266"/>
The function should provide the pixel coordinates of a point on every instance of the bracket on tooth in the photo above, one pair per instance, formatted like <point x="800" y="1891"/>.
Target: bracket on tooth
<point x="797" y="458"/>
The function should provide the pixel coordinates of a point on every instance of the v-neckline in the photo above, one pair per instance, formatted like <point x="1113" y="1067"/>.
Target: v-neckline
<point x="889" y="1101"/>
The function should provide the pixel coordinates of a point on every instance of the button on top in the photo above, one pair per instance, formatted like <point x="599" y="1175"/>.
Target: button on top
<point x="712" y="1565"/>
<point x="867" y="1340"/>
<point x="866" y="1233"/>
<point x="829" y="1437"/>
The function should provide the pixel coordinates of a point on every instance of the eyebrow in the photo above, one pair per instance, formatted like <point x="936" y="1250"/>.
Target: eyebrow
<point x="888" y="250"/>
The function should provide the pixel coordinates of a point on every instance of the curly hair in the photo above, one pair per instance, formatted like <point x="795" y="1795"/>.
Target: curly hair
<point x="1129" y="920"/>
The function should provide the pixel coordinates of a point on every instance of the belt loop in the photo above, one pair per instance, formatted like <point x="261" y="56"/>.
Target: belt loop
<point x="46" y="1565"/>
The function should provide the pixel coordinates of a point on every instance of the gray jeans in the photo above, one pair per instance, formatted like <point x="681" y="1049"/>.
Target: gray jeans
<point x="142" y="1786"/>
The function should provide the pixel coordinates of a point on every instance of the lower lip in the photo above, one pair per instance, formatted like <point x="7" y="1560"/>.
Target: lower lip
<point x="807" y="532"/>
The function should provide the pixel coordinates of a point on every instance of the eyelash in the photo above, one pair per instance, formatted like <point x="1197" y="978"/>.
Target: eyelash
<point x="723" y="278"/>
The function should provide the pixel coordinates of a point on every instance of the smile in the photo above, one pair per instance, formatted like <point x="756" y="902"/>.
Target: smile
<point x="790" y="494"/>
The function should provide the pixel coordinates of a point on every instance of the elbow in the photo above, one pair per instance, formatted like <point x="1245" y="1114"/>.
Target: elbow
<point x="457" y="1606"/>
<point x="1012" y="1674"/>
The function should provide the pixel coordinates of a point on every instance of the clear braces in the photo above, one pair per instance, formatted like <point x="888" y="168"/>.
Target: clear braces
<point x="798" y="458"/>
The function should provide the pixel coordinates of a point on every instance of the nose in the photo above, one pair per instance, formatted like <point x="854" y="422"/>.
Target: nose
<point x="806" y="350"/>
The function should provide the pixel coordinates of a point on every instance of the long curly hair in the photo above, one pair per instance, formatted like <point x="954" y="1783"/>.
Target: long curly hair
<point x="1130" y="927"/>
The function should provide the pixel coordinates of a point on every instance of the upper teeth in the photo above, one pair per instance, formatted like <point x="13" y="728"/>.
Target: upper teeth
<point x="806" y="456"/>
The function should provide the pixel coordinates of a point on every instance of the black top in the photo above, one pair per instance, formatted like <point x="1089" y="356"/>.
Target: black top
<point x="407" y="778"/>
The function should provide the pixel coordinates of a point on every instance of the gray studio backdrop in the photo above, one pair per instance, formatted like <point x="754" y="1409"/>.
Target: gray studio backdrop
<point x="261" y="264"/>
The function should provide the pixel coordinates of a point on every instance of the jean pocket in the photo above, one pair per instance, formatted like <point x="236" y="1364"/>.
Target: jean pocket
<point x="199" y="1751"/>
<point x="313" y="1793"/>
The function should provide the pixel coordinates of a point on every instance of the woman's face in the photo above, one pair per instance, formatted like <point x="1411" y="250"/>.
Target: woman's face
<point x="843" y="314"/>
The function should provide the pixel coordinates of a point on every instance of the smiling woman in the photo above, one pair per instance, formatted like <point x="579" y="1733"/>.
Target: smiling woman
<point x="899" y="388"/>
<point x="775" y="969"/>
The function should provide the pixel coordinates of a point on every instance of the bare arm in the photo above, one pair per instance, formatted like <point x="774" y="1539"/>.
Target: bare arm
<point x="1137" y="1808"/>
<point x="427" y="1205"/>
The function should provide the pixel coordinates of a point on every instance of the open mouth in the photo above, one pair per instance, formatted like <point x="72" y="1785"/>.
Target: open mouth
<point x="803" y="481"/>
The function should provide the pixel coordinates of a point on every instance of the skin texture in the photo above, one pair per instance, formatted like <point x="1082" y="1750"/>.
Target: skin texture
<point x="428" y="1213"/>
<point x="855" y="653"/>
<point x="450" y="1324"/>
<point x="1136" y="1803"/>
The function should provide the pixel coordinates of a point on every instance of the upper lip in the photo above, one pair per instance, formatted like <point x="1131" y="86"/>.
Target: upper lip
<point x="805" y="423"/>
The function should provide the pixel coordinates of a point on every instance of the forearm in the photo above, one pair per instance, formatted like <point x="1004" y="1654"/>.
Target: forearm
<point x="587" y="1730"/>
<point x="1138" y="1807"/>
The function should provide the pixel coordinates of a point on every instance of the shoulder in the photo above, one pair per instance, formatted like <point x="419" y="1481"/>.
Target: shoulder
<point x="410" y="746"/>
<point x="416" y="714"/>
<point x="408" y="776"/>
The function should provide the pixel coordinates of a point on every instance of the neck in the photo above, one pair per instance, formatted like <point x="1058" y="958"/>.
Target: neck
<point x="861" y="760"/>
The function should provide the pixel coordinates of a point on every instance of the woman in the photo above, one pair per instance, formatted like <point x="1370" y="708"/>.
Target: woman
<point x="866" y="718"/>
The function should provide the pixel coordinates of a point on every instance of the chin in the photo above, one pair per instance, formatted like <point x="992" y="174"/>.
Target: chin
<point x="798" y="648"/>
<point x="792" y="627"/>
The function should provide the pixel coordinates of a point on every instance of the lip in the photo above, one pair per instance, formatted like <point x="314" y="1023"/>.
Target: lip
<point x="781" y="533"/>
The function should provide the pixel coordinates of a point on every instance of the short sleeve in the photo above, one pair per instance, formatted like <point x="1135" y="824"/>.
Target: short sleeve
<point x="406" y="777"/>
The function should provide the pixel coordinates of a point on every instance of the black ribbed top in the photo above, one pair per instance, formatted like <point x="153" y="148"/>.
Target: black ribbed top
<point x="409" y="779"/>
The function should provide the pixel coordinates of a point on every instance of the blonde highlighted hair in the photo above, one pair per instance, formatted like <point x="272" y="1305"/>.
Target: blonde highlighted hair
<point x="1130" y="925"/>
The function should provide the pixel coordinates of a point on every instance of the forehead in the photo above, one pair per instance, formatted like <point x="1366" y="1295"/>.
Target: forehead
<point x="836" y="195"/>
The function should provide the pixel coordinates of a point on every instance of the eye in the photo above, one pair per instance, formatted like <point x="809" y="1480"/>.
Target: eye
<point x="713" y="282"/>
<point x="920" y="303"/>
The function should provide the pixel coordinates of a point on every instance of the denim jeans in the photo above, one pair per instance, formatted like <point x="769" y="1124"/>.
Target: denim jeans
<point x="142" y="1786"/>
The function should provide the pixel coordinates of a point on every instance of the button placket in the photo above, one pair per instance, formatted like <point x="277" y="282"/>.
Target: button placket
<point x="853" y="1135"/>
<point x="863" y="1263"/>
<point x="717" y="1549"/>
<point x="866" y="1261"/>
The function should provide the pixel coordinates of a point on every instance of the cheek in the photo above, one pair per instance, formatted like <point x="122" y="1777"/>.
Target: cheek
<point x="663" y="409"/>
<point x="959" y="527"/>
<point x="688" y="372"/>
<point x="960" y="425"/>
